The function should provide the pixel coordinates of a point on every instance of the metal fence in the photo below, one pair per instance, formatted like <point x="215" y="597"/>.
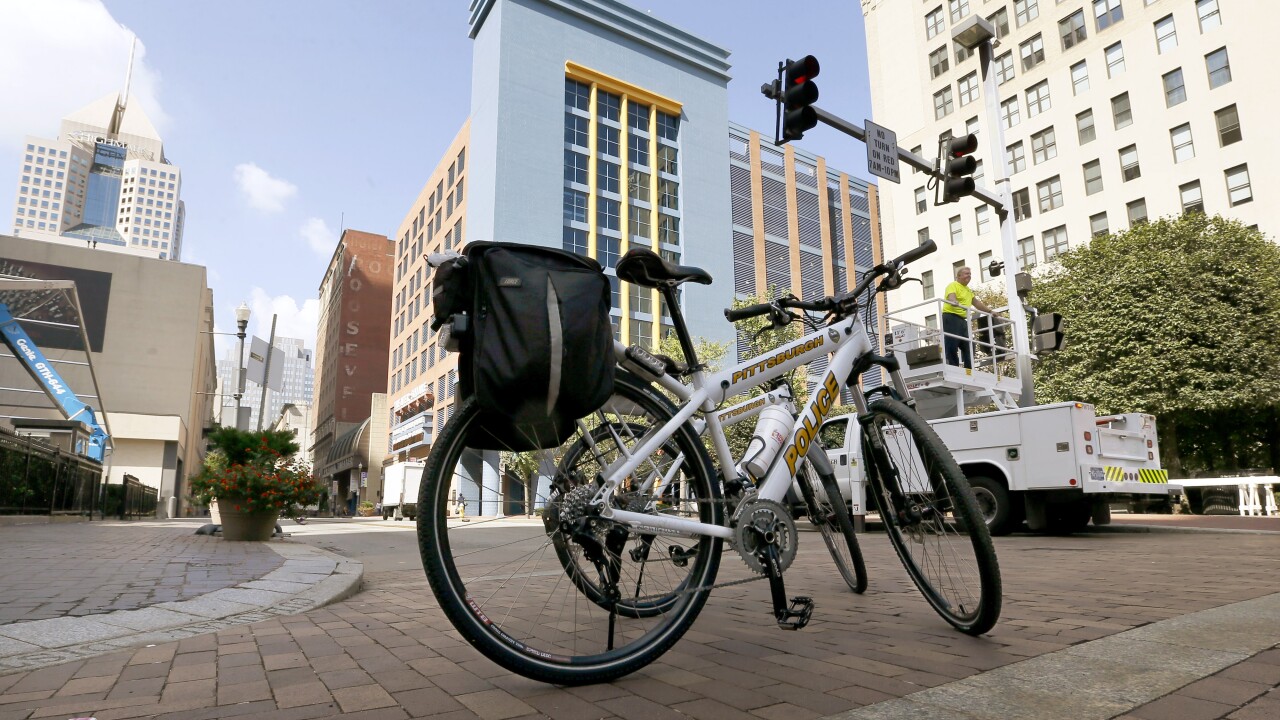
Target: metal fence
<point x="134" y="499"/>
<point x="39" y="479"/>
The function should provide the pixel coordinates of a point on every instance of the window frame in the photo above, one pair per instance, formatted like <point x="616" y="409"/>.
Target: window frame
<point x="1049" y="194"/>
<point x="1217" y="121"/>
<point x="1043" y="100"/>
<point x="943" y="102"/>
<point x="1174" y="91"/>
<point x="1187" y="146"/>
<point x="1114" y="63"/>
<point x="1130" y="170"/>
<point x="1015" y="158"/>
<point x="1247" y="186"/>
<point x="1072" y="30"/>
<point x="1083" y="78"/>
<point x="1116" y="112"/>
<point x="1112" y="10"/>
<point x="1096" y="179"/>
<point x="1171" y="34"/>
<point x="1092" y="127"/>
<point x="1031" y="52"/>
<point x="1225" y="68"/>
<point x="1048" y="146"/>
<point x="1198" y="205"/>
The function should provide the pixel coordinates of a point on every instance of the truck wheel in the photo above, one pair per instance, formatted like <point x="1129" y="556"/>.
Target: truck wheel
<point x="993" y="501"/>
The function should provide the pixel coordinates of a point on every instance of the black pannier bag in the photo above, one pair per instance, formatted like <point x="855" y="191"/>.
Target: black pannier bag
<point x="536" y="341"/>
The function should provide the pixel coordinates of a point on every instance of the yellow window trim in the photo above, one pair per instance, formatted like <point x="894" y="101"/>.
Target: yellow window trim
<point x="621" y="87"/>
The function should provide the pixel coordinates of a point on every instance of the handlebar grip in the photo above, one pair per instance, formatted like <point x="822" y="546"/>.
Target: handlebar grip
<point x="750" y="311"/>
<point x="914" y="254"/>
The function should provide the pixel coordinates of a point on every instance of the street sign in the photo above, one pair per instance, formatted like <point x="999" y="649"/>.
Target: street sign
<point x="882" y="152"/>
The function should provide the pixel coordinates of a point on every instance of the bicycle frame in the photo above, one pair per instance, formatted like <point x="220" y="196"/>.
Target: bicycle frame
<point x="846" y="341"/>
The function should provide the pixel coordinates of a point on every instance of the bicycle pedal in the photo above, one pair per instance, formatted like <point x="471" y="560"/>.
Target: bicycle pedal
<point x="798" y="615"/>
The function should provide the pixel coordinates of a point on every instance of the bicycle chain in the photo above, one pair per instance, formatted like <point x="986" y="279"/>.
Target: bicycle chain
<point x="714" y="586"/>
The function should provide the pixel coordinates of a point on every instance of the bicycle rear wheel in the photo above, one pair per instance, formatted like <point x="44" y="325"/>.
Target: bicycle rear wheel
<point x="829" y="513"/>
<point x="572" y="598"/>
<point x="932" y="518"/>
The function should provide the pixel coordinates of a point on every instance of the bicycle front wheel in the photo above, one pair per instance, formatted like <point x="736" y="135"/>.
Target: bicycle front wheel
<point x="572" y="597"/>
<point x="932" y="518"/>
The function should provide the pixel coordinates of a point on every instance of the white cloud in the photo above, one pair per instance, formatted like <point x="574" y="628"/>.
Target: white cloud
<point x="263" y="192"/>
<point x="292" y="320"/>
<point x="319" y="237"/>
<point x="83" y="37"/>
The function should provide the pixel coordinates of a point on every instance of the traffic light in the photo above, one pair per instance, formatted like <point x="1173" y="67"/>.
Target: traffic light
<point x="799" y="93"/>
<point x="958" y="165"/>
<point x="1047" y="333"/>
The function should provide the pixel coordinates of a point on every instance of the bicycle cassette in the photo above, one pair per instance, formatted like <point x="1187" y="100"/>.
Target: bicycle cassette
<point x="762" y="523"/>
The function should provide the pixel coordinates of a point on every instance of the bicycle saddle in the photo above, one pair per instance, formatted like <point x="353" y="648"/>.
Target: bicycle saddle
<point x="645" y="268"/>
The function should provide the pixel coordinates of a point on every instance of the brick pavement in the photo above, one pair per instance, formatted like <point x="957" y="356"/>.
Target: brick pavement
<point x="109" y="566"/>
<point x="1249" y="690"/>
<point x="388" y="653"/>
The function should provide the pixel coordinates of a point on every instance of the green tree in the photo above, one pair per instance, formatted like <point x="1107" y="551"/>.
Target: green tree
<point x="1177" y="318"/>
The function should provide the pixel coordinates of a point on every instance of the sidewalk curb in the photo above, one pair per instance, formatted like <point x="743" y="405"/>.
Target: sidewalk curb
<point x="1125" y="528"/>
<point x="309" y="578"/>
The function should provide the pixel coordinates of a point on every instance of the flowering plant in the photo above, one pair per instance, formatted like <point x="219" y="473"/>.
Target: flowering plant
<point x="255" y="471"/>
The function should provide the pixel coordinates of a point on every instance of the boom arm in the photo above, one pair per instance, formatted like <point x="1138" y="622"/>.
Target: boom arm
<point x="51" y="382"/>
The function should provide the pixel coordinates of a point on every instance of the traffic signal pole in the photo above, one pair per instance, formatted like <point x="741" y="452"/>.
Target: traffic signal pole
<point x="1008" y="228"/>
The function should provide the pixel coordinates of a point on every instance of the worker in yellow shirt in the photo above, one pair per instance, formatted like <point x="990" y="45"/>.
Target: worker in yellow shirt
<point x="957" y="348"/>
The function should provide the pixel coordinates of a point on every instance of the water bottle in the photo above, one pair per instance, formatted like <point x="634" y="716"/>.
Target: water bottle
<point x="771" y="432"/>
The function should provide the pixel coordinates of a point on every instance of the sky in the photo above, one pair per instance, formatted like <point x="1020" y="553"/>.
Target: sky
<point x="293" y="119"/>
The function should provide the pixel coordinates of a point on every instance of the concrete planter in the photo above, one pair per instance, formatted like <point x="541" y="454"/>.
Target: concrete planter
<point x="252" y="525"/>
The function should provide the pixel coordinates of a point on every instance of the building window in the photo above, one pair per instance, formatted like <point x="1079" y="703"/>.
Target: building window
<point x="969" y="88"/>
<point x="942" y="103"/>
<point x="984" y="266"/>
<point x="1009" y="112"/>
<point x="922" y="236"/>
<point x="1084" y="127"/>
<point x="577" y="95"/>
<point x="1121" y="112"/>
<point x="1175" y="90"/>
<point x="668" y="126"/>
<point x="926" y="284"/>
<point x="1166" y="34"/>
<point x="1183" y="147"/>
<point x="1016" y="158"/>
<point x="1055" y="242"/>
<point x="1107" y="13"/>
<point x="1079" y="77"/>
<point x="1032" y="52"/>
<point x="1219" y="68"/>
<point x="608" y="105"/>
<point x="957" y="234"/>
<point x="1239" y="191"/>
<point x="639" y="226"/>
<point x="1137" y="211"/>
<point x="939" y="61"/>
<point x="1038" y="98"/>
<point x="607" y="140"/>
<point x="607" y="179"/>
<point x="575" y="130"/>
<point x="638" y="185"/>
<point x="667" y="160"/>
<point x="1092" y="177"/>
<point x="638" y="117"/>
<point x="1027" y="252"/>
<point x="959" y="8"/>
<point x="668" y="229"/>
<point x="669" y="194"/>
<point x="1129" y="167"/>
<point x="1050" y="194"/>
<point x="921" y="202"/>
<point x="1191" y="197"/>
<point x="1026" y="10"/>
<point x="1000" y="21"/>
<point x="1044" y="146"/>
<point x="1004" y="68"/>
<point x="1098" y="225"/>
<point x="1228" y="126"/>
<point x="607" y="214"/>
<point x="575" y="167"/>
<point x="1115" y="60"/>
<point x="962" y="53"/>
<point x="575" y="206"/>
<point x="638" y="149"/>
<point x="934" y="23"/>
<point x="1072" y="30"/>
<point x="1208" y="12"/>
<point x="982" y="218"/>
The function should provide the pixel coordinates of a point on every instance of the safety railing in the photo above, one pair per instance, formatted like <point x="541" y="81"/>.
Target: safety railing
<point x="989" y="340"/>
<point x="40" y="479"/>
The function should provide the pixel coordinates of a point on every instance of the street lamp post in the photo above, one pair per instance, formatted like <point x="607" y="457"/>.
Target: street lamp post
<point x="978" y="33"/>
<point x="242" y="322"/>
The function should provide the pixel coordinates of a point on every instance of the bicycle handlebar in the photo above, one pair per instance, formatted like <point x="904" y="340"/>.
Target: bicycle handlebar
<point x="892" y="269"/>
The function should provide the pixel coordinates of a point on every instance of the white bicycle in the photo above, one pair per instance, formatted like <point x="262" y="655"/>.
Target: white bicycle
<point x="635" y="513"/>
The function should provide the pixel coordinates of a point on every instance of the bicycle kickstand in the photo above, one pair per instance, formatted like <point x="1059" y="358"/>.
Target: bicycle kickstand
<point x="798" y="614"/>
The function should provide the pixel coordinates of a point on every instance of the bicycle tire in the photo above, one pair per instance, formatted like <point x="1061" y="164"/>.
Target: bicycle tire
<point x="834" y="524"/>
<point x="935" y="549"/>
<point x="509" y="594"/>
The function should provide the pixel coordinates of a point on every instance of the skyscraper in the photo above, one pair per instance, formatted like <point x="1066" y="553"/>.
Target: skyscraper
<point x="104" y="181"/>
<point x="298" y="380"/>
<point x="1113" y="112"/>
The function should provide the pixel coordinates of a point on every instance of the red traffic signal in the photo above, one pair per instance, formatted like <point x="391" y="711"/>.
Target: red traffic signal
<point x="958" y="165"/>
<point x="799" y="93"/>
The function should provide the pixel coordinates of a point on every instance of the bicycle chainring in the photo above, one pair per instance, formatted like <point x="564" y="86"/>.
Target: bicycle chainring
<point x="762" y="523"/>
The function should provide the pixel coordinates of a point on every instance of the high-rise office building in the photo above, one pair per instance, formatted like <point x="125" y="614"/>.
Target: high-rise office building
<point x="1114" y="111"/>
<point x="103" y="183"/>
<point x="798" y="225"/>
<point x="296" y="388"/>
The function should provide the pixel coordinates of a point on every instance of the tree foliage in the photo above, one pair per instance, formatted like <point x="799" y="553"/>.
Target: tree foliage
<point x="1177" y="318"/>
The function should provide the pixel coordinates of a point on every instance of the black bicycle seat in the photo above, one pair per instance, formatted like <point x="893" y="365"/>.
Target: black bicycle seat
<point x="645" y="268"/>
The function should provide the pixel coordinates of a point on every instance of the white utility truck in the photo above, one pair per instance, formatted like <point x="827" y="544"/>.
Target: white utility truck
<point x="1056" y="466"/>
<point x="400" y="483"/>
